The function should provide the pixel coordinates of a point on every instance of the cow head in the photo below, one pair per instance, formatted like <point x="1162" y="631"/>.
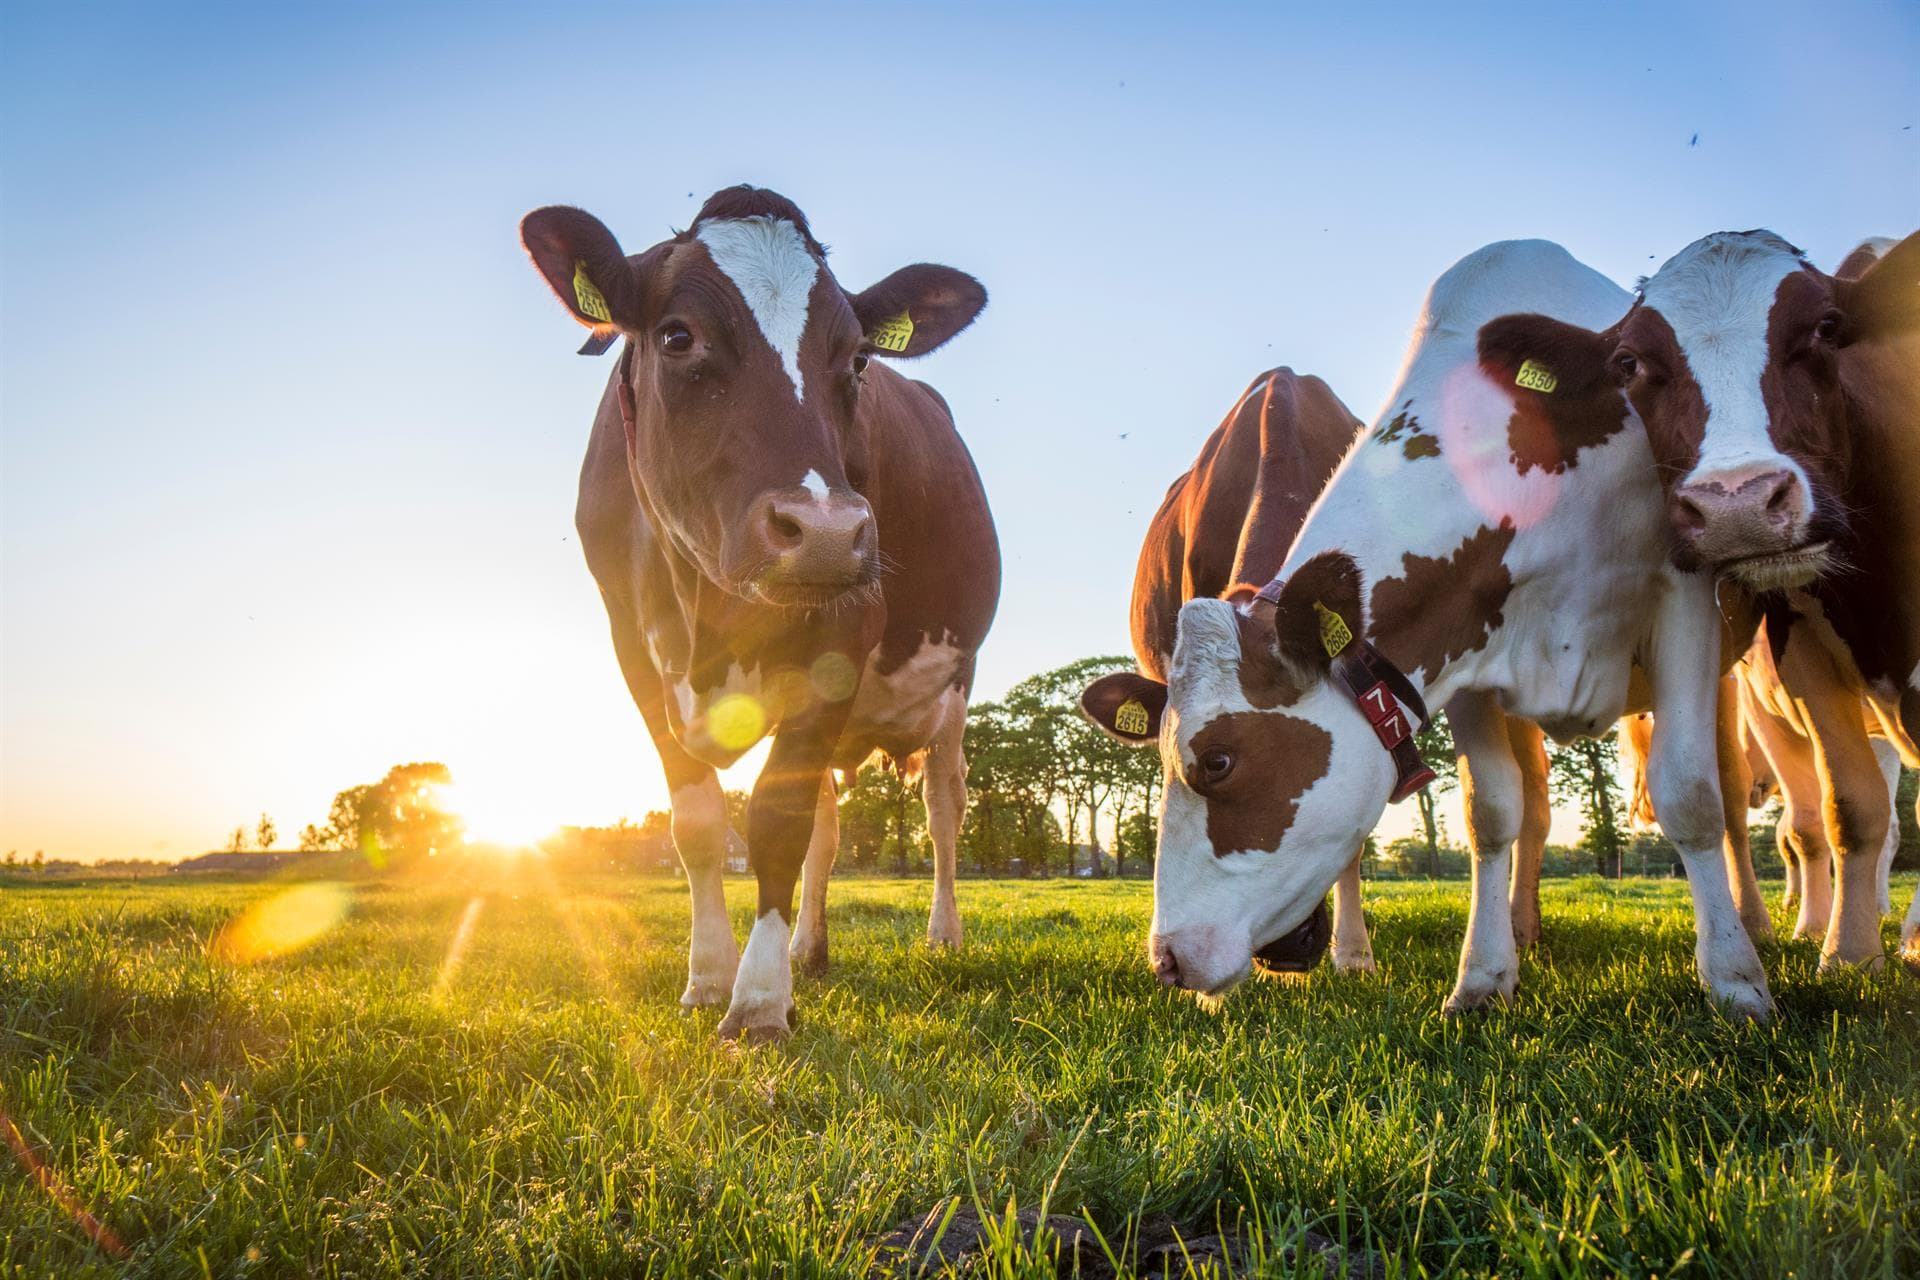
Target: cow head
<point x="1273" y="777"/>
<point x="745" y="365"/>
<point x="1731" y="356"/>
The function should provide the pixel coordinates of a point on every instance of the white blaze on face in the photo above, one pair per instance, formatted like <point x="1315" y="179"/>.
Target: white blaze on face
<point x="1717" y="294"/>
<point x="769" y="263"/>
<point x="814" y="485"/>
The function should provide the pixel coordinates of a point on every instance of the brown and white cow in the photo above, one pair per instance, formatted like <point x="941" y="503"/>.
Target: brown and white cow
<point x="790" y="539"/>
<point x="1222" y="531"/>
<point x="1782" y="403"/>
<point x="1513" y="563"/>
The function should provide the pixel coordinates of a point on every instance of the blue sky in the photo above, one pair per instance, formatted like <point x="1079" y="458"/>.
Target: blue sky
<point x="292" y="428"/>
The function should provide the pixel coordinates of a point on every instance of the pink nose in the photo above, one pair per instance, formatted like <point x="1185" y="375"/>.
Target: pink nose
<point x="1166" y="966"/>
<point x="1730" y="515"/>
<point x="817" y="540"/>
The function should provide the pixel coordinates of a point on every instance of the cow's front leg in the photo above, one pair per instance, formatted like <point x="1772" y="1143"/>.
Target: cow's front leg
<point x="946" y="801"/>
<point x="1491" y="780"/>
<point x="1910" y="928"/>
<point x="809" y="947"/>
<point x="1736" y="783"/>
<point x="1536" y="816"/>
<point x="1788" y="845"/>
<point x="1683" y="781"/>
<point x="779" y="829"/>
<point x="700" y="838"/>
<point x="1352" y="950"/>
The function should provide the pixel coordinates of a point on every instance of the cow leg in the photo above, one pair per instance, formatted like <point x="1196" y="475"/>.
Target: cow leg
<point x="1536" y="815"/>
<point x="1491" y="779"/>
<point x="1736" y="781"/>
<point x="1816" y="870"/>
<point x="945" y="795"/>
<point x="1857" y="815"/>
<point x="1684" y="784"/>
<point x="809" y="947"/>
<point x="1790" y="756"/>
<point x="1910" y="929"/>
<point x="1889" y="757"/>
<point x="699" y="820"/>
<point x="700" y="838"/>
<point x="780" y="820"/>
<point x="1785" y="841"/>
<point x="1352" y="951"/>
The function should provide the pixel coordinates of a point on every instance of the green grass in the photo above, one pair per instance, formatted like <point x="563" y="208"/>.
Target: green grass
<point x="546" y="1109"/>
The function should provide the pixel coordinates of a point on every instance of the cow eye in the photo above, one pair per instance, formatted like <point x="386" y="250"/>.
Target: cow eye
<point x="675" y="340"/>
<point x="1625" y="365"/>
<point x="860" y="363"/>
<point x="1829" y="327"/>
<point x="1215" y="766"/>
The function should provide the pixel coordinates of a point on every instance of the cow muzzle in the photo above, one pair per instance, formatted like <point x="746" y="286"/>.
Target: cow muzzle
<point x="1202" y="958"/>
<point x="1300" y="949"/>
<point x="811" y="548"/>
<point x="1749" y="524"/>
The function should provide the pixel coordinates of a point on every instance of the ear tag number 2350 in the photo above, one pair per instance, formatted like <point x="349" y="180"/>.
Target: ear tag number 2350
<point x="1535" y="376"/>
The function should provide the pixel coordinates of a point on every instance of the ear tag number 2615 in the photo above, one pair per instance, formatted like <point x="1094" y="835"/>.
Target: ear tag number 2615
<point x="1131" y="717"/>
<point x="591" y="301"/>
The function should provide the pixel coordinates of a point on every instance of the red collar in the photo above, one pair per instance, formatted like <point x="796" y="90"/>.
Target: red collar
<point x="1378" y="688"/>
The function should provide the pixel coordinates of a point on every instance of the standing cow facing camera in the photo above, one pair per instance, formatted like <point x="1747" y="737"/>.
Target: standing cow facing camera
<point x="1496" y="544"/>
<point x="790" y="539"/>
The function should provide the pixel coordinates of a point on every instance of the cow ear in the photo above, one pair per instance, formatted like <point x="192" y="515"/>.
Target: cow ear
<point x="1885" y="301"/>
<point x="1126" y="706"/>
<point x="584" y="267"/>
<point x="918" y="308"/>
<point x="1539" y="353"/>
<point x="1317" y="614"/>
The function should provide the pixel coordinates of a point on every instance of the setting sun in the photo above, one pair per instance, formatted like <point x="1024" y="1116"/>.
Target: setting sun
<point x="495" y="817"/>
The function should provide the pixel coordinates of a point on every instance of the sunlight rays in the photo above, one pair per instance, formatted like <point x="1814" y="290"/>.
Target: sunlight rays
<point x="57" y="1190"/>
<point x="457" y="946"/>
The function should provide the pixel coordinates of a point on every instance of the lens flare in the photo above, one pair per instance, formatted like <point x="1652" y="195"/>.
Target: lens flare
<point x="736" y="721"/>
<point x="281" y="924"/>
<point x="457" y="946"/>
<point x="834" y="676"/>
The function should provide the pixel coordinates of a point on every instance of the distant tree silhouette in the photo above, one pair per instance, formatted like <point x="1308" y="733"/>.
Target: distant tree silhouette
<point x="237" y="840"/>
<point x="265" y="834"/>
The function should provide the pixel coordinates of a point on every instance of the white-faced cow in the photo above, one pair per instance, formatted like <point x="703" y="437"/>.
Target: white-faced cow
<point x="790" y="539"/>
<point x="1513" y="564"/>
<point x="1782" y="404"/>
<point x="1223" y="531"/>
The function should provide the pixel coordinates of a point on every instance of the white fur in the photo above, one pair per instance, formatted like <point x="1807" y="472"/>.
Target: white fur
<point x="763" y="989"/>
<point x="1717" y="294"/>
<point x="769" y="263"/>
<point x="1889" y="757"/>
<point x="700" y="837"/>
<point x="814" y="485"/>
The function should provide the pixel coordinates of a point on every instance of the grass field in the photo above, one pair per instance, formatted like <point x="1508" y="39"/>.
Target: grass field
<point x="538" y="1105"/>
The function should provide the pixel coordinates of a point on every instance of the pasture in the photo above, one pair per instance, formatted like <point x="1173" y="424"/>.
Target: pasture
<point x="509" y="1088"/>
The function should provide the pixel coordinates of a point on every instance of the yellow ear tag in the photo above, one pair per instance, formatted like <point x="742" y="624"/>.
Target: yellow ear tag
<point x="1535" y="376"/>
<point x="894" y="334"/>
<point x="1131" y="718"/>
<point x="588" y="297"/>
<point x="1334" y="635"/>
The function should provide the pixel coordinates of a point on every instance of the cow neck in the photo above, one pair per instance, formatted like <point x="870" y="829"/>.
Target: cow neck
<point x="1872" y="605"/>
<point x="1384" y="694"/>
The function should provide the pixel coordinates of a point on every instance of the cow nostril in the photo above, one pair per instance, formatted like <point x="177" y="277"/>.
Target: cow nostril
<point x="1780" y="503"/>
<point x="1688" y="515"/>
<point x="785" y="529"/>
<point x="1166" y="966"/>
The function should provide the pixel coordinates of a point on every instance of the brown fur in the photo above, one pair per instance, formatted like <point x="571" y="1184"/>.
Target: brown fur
<point x="1277" y="758"/>
<point x="1439" y="610"/>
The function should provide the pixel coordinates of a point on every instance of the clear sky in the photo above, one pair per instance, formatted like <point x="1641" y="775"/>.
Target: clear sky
<point x="292" y="428"/>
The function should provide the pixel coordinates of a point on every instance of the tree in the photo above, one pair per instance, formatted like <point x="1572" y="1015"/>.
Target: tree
<point x="39" y="860"/>
<point x="237" y="840"/>
<point x="398" y="816"/>
<point x="1443" y="757"/>
<point x="1583" y="772"/>
<point x="265" y="834"/>
<point x="312" y="839"/>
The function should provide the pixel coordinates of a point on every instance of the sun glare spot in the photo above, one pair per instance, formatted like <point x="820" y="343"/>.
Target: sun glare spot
<point x="498" y="819"/>
<point x="834" y="676"/>
<point x="736" y="721"/>
<point x="281" y="924"/>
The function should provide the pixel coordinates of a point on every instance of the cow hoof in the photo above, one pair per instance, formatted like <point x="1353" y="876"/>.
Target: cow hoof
<point x="813" y="961"/>
<point x="1471" y="995"/>
<point x="1362" y="963"/>
<point x="944" y="937"/>
<point x="701" y="993"/>
<point x="1872" y="962"/>
<point x="1745" y="1004"/>
<point x="1525" y="935"/>
<point x="757" y="1027"/>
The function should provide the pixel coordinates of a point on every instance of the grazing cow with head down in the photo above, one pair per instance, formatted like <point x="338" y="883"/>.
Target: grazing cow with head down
<point x="1511" y="564"/>
<point x="1222" y="531"/>
<point x="1782" y="403"/>
<point x="790" y="539"/>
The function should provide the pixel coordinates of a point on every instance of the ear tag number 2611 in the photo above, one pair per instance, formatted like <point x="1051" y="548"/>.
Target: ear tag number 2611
<point x="893" y="335"/>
